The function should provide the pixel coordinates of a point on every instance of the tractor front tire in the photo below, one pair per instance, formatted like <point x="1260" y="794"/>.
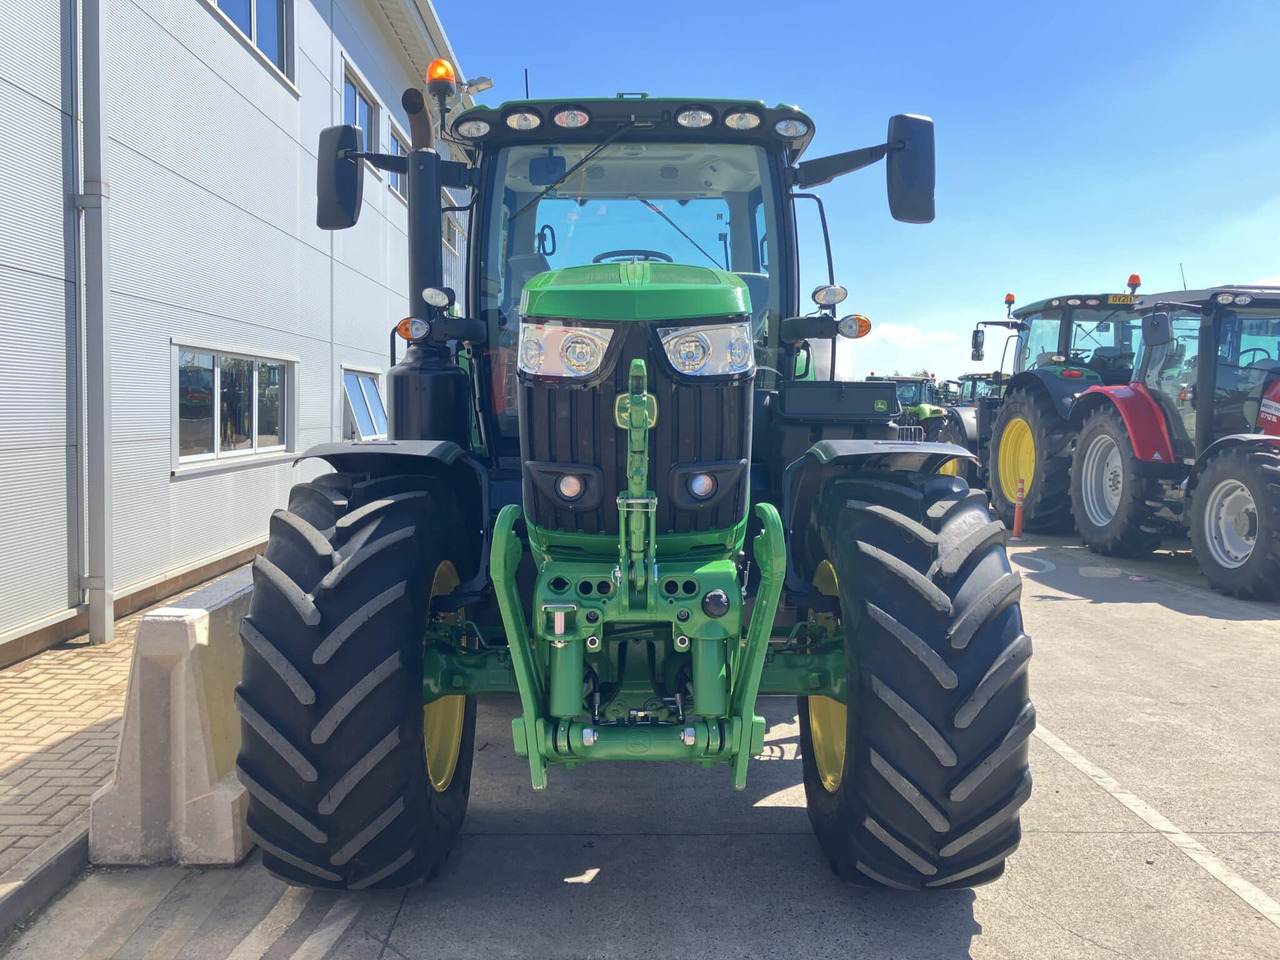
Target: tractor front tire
<point x="351" y="782"/>
<point x="1026" y="430"/>
<point x="1235" y="522"/>
<point x="1108" y="491"/>
<point x="916" y="783"/>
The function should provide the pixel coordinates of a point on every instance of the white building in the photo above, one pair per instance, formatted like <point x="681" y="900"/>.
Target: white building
<point x="239" y="333"/>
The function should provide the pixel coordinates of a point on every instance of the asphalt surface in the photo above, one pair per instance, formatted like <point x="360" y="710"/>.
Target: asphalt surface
<point x="1153" y="830"/>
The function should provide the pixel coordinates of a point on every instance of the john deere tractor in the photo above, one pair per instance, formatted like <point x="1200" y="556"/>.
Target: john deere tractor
<point x="1063" y="346"/>
<point x="607" y="492"/>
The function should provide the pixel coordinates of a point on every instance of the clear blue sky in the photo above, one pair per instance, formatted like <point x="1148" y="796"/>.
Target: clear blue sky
<point x="1077" y="141"/>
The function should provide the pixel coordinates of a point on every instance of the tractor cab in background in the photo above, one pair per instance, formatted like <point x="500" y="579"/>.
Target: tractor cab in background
<point x="1193" y="441"/>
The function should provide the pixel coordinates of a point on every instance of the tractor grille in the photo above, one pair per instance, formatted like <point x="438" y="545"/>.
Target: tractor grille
<point x="567" y="426"/>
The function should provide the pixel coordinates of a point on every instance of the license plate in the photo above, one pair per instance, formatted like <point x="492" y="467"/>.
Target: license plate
<point x="1119" y="298"/>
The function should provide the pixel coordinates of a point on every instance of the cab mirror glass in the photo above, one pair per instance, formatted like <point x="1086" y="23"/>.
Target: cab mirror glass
<point x="910" y="168"/>
<point x="339" y="178"/>
<point x="1156" y="330"/>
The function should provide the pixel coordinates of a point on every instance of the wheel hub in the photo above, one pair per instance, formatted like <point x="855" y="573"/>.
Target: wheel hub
<point x="1231" y="524"/>
<point x="1102" y="480"/>
<point x="1017" y="458"/>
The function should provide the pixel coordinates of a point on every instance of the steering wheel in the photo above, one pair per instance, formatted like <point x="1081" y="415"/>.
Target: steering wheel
<point x="1262" y="350"/>
<point x="648" y="255"/>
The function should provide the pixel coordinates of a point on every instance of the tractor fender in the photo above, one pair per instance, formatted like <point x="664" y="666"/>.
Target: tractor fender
<point x="805" y="477"/>
<point x="1143" y="418"/>
<point x="1060" y="390"/>
<point x="1222" y="444"/>
<point x="468" y="480"/>
<point x="967" y="418"/>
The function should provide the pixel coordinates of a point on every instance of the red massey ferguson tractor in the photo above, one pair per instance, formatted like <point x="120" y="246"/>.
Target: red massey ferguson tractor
<point x="1193" y="442"/>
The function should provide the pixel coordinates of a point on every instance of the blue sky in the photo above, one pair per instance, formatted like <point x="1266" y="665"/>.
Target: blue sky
<point x="1077" y="142"/>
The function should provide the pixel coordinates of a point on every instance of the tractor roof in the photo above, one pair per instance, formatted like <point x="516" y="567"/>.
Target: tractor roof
<point x="1258" y="295"/>
<point x="1100" y="300"/>
<point x="652" y="116"/>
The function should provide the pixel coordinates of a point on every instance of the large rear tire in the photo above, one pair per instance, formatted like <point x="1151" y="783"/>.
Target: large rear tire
<point x="1235" y="522"/>
<point x="352" y="783"/>
<point x="1026" y="430"/>
<point x="1108" y="491"/>
<point x="917" y="782"/>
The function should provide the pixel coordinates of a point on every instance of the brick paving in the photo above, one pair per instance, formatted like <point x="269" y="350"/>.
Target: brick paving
<point x="60" y="717"/>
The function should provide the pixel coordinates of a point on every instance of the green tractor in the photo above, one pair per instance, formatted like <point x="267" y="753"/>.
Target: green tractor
<point x="919" y="398"/>
<point x="607" y="492"/>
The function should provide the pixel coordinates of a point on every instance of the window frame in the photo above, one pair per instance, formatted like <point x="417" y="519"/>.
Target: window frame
<point x="363" y="88"/>
<point x="397" y="139"/>
<point x="287" y="69"/>
<point x="376" y="377"/>
<point x="288" y="406"/>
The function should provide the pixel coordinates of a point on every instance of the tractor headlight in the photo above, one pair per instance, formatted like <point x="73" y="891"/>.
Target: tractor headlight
<point x="554" y="350"/>
<point x="716" y="351"/>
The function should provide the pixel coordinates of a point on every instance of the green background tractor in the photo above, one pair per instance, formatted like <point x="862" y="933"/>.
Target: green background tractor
<point x="607" y="492"/>
<point x="1063" y="346"/>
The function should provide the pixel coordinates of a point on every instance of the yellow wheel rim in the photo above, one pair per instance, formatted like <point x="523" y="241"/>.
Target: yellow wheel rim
<point x="828" y="719"/>
<point x="951" y="468"/>
<point x="1017" y="458"/>
<point x="442" y="719"/>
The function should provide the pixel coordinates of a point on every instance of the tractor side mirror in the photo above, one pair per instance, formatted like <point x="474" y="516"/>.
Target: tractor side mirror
<point x="975" y="344"/>
<point x="910" y="168"/>
<point x="1156" y="330"/>
<point x="339" y="178"/>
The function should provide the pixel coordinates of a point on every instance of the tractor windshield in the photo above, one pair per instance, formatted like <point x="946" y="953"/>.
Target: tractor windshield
<point x="911" y="393"/>
<point x="1105" y="339"/>
<point x="710" y="205"/>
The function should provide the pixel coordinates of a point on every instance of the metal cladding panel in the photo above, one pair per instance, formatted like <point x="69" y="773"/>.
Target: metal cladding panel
<point x="34" y="527"/>
<point x="34" y="217"/>
<point x="698" y="422"/>
<point x="31" y="49"/>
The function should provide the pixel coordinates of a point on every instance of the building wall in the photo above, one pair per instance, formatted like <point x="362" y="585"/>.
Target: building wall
<point x="211" y="163"/>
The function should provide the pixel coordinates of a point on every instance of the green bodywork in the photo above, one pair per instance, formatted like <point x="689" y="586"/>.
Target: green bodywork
<point x="635" y="290"/>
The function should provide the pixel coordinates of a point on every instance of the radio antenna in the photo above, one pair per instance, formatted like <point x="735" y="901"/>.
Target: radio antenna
<point x="1184" y="275"/>
<point x="526" y="83"/>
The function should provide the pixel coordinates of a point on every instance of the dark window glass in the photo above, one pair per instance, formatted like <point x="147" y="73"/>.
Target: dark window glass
<point x="195" y="403"/>
<point x="237" y="12"/>
<point x="269" y="33"/>
<point x="271" y="402"/>
<point x="236" y="399"/>
<point x="374" y="399"/>
<point x="358" y="405"/>
<point x="396" y="180"/>
<point x="357" y="110"/>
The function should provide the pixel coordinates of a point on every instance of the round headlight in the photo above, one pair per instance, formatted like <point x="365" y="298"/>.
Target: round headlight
<point x="739" y="353"/>
<point x="569" y="486"/>
<point x="1224" y="298"/>
<point x="1073" y="302"/>
<point x="571" y="119"/>
<point x="1243" y="300"/>
<point x="854" y="326"/>
<point x="531" y="355"/>
<point x="741" y="120"/>
<point x="524" y="120"/>
<point x="828" y="295"/>
<point x="438" y="296"/>
<point x="702" y="485"/>
<point x="694" y="119"/>
<point x="472" y="129"/>
<point x="1091" y="302"/>
<point x="791" y="128"/>
<point x="691" y="353"/>
<point x="580" y="354"/>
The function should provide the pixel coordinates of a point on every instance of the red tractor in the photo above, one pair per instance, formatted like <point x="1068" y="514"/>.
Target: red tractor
<point x="1193" y="442"/>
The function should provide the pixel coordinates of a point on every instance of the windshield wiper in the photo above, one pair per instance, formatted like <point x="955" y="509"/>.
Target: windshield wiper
<point x="591" y="155"/>
<point x="658" y="210"/>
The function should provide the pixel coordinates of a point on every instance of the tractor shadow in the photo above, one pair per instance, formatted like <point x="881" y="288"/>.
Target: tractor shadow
<point x="635" y="859"/>
<point x="1058" y="569"/>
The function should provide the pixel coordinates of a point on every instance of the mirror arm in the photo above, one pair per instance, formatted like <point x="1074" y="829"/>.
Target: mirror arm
<point x="383" y="161"/>
<point x="814" y="173"/>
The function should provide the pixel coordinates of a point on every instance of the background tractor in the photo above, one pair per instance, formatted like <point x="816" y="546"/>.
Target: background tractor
<point x="958" y="421"/>
<point x="1193" y="442"/>
<point x="1063" y="346"/>
<point x="607" y="491"/>
<point x="917" y="396"/>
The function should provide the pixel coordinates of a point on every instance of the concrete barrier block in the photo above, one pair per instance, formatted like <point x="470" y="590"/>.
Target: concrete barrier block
<point x="175" y="796"/>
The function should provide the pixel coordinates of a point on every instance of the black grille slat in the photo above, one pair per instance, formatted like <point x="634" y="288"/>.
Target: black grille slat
<point x="696" y="422"/>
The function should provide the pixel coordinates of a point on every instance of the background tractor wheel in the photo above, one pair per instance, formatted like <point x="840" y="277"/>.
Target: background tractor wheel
<point x="352" y="782"/>
<point x="1235" y="522"/>
<point x="918" y="781"/>
<point x="952" y="432"/>
<point x="1026" y="429"/>
<point x="1108" y="493"/>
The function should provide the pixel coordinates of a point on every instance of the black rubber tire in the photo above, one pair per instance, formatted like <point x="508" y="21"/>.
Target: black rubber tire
<point x="1257" y="466"/>
<point x="1123" y="536"/>
<point x="935" y="765"/>
<point x="1046" y="503"/>
<point x="330" y="697"/>
<point x="951" y="431"/>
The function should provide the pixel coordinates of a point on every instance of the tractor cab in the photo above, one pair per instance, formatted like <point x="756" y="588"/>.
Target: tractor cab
<point x="973" y="387"/>
<point x="1087" y="338"/>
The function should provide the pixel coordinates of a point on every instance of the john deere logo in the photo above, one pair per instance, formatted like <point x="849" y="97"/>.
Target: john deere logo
<point x="882" y="406"/>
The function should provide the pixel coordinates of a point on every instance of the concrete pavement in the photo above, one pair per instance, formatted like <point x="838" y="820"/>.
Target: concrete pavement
<point x="1153" y="830"/>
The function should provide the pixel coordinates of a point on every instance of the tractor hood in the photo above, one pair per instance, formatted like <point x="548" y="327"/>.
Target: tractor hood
<point x="635" y="290"/>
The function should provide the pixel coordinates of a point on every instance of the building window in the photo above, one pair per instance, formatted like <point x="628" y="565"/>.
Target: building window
<point x="364" y="417"/>
<point x="449" y="229"/>
<point x="268" y="24"/>
<point x="358" y="109"/>
<point x="398" y="181"/>
<point x="230" y="405"/>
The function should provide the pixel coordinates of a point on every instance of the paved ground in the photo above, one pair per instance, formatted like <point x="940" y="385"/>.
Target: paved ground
<point x="1153" y="831"/>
